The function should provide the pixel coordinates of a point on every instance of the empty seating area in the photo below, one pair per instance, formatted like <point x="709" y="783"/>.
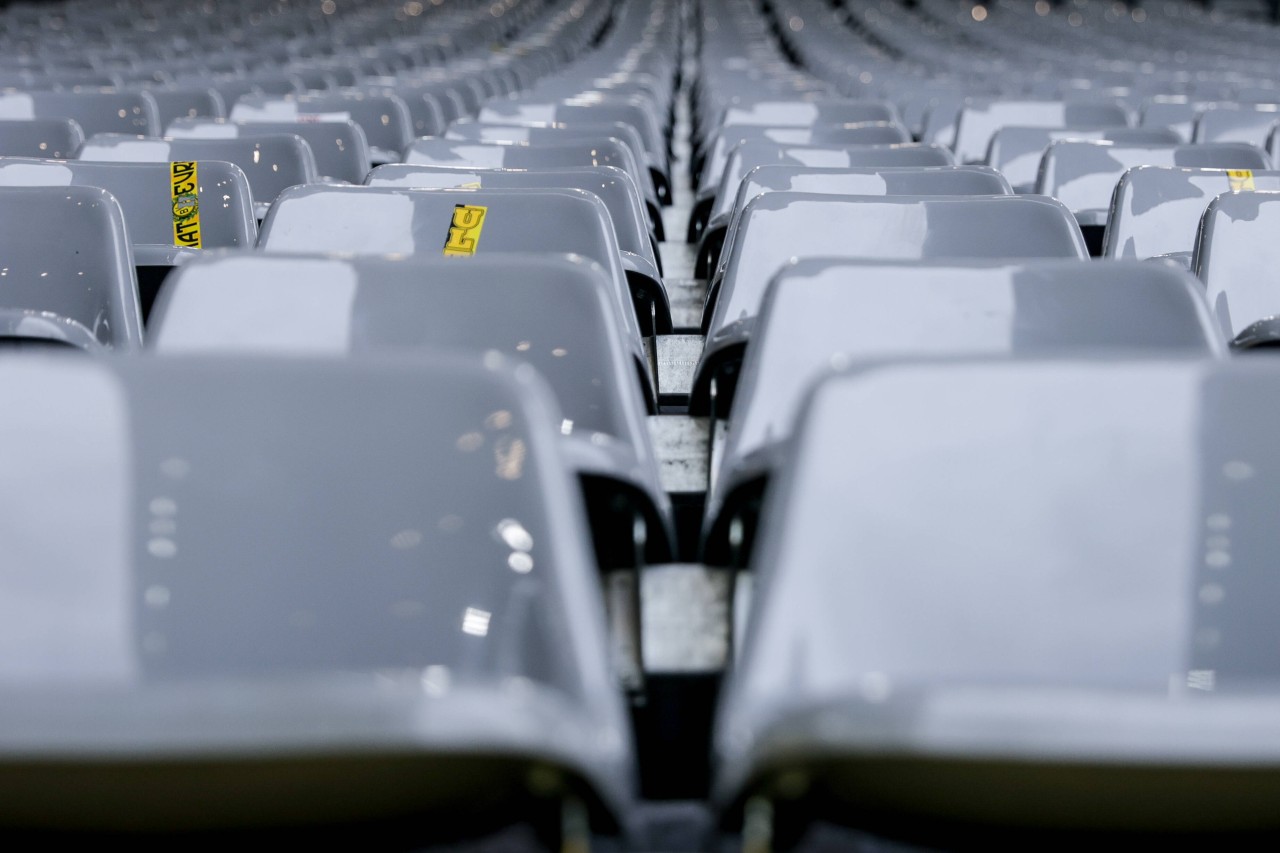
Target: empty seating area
<point x="639" y="425"/>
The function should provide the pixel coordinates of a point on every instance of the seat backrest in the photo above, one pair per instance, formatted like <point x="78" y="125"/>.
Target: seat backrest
<point x="1083" y="174"/>
<point x="978" y="122"/>
<point x="339" y="147"/>
<point x="385" y="119"/>
<point x="779" y="226"/>
<point x="1250" y="124"/>
<point x="554" y="312"/>
<point x="56" y="138"/>
<point x="1071" y="628"/>
<point x="170" y="209"/>
<point x="104" y="111"/>
<point x="1238" y="259"/>
<point x="67" y="274"/>
<point x="190" y="102"/>
<point x="600" y="151"/>
<point x="454" y="223"/>
<point x="475" y="131"/>
<point x="614" y="187"/>
<point x="748" y="155"/>
<point x="820" y="311"/>
<point x="379" y="548"/>
<point x="272" y="162"/>
<point x="1017" y="151"/>
<point x="1157" y="210"/>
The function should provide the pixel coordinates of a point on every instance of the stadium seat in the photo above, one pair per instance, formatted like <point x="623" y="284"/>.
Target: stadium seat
<point x="84" y="297"/>
<point x="614" y="187"/>
<point x="385" y="118"/>
<point x="1156" y="211"/>
<point x="865" y="227"/>
<point x="339" y="147"/>
<point x="1017" y="151"/>
<point x="596" y="151"/>
<point x="866" y="180"/>
<point x="1083" y="174"/>
<point x="746" y="156"/>
<point x="97" y="111"/>
<point x="272" y="162"/>
<point x="976" y="123"/>
<point x="55" y="138"/>
<point x="1235" y="258"/>
<point x="556" y="313"/>
<point x="819" y="313"/>
<point x="431" y="223"/>
<point x="1251" y="124"/>
<point x="281" y="610"/>
<point x="1076" y="670"/>
<point x="175" y="104"/>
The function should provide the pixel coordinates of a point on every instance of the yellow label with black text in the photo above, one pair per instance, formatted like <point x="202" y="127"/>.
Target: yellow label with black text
<point x="1241" y="180"/>
<point x="185" y="184"/>
<point x="464" y="230"/>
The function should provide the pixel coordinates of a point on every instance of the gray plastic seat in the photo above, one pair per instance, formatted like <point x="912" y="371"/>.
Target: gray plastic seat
<point x="746" y="156"/>
<point x="556" y="134"/>
<point x="866" y="180"/>
<point x="55" y="138"/>
<point x="188" y="102"/>
<point x="388" y="220"/>
<point x="318" y="593"/>
<point x="272" y="162"/>
<point x="1238" y="259"/>
<point x="1017" y="151"/>
<point x="595" y="108"/>
<point x="821" y="312"/>
<point x="794" y="114"/>
<point x="978" y="122"/>
<point x="339" y="147"/>
<point x="385" y="119"/>
<point x="145" y="192"/>
<point x="1083" y="174"/>
<point x="592" y="151"/>
<point x="778" y="227"/>
<point x="1251" y="124"/>
<point x="1156" y="211"/>
<point x="724" y="140"/>
<point x="555" y="312"/>
<point x="96" y="111"/>
<point x="1026" y="649"/>
<point x="614" y="187"/>
<point x="67" y="273"/>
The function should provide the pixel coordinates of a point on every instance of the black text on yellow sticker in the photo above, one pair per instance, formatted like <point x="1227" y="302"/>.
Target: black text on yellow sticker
<point x="464" y="230"/>
<point x="186" y="204"/>
<point x="1241" y="180"/>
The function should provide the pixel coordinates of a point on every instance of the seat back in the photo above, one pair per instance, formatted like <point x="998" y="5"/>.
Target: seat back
<point x="820" y="312"/>
<point x="1083" y="174"/>
<point x="68" y="272"/>
<point x="978" y="122"/>
<point x="1040" y="693"/>
<point x="335" y="554"/>
<point x="1237" y="258"/>
<point x="1017" y="151"/>
<point x="272" y="163"/>
<point x="779" y="226"/>
<point x="614" y="187"/>
<point x="453" y="223"/>
<point x="162" y="223"/>
<point x="102" y="111"/>
<point x="1156" y="211"/>
<point x="339" y="147"/>
<point x="385" y="119"/>
<point x="56" y="138"/>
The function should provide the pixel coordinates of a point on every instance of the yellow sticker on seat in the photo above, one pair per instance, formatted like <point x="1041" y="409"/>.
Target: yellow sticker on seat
<point x="185" y="185"/>
<point x="464" y="230"/>
<point x="1241" y="180"/>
